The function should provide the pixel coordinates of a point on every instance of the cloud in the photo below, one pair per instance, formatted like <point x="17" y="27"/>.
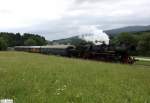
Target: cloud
<point x="25" y="13"/>
<point x="95" y="1"/>
<point x="81" y="1"/>
<point x="62" y="18"/>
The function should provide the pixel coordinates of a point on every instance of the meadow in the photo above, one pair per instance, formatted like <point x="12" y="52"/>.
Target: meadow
<point x="37" y="78"/>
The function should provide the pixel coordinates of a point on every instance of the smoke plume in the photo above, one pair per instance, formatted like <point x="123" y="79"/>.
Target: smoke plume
<point x="93" y="34"/>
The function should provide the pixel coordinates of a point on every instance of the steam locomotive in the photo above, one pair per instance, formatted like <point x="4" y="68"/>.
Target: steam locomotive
<point x="102" y="52"/>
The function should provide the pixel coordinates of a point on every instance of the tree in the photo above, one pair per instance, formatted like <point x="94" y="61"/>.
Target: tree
<point x="127" y="41"/>
<point x="16" y="39"/>
<point x="3" y="44"/>
<point x="39" y="39"/>
<point x="144" y="44"/>
<point x="30" y="42"/>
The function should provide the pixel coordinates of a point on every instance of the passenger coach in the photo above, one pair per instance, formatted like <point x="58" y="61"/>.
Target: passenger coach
<point x="53" y="49"/>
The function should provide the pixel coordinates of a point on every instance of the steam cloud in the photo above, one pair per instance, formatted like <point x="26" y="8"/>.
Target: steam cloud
<point x="93" y="34"/>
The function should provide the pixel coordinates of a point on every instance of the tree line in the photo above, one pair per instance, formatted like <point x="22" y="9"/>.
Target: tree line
<point x="137" y="43"/>
<point x="16" y="39"/>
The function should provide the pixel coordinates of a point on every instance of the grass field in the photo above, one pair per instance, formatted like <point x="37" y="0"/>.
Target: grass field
<point x="36" y="78"/>
<point x="143" y="63"/>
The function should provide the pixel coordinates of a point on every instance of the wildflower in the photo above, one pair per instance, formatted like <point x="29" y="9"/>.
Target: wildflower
<point x="62" y="89"/>
<point x="58" y="89"/>
<point x="57" y="93"/>
<point x="65" y="86"/>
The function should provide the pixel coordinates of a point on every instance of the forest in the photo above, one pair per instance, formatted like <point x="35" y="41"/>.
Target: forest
<point x="16" y="39"/>
<point x="137" y="43"/>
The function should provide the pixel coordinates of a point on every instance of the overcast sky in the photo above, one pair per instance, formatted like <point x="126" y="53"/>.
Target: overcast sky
<point x="57" y="19"/>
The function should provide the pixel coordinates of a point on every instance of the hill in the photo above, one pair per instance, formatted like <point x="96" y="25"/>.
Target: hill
<point x="67" y="40"/>
<point x="72" y="40"/>
<point x="36" y="78"/>
<point x="128" y="29"/>
<point x="113" y="32"/>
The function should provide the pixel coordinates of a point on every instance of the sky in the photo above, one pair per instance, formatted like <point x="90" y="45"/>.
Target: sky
<point x="56" y="19"/>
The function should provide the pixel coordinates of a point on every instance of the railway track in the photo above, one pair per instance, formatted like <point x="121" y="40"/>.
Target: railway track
<point x="143" y="59"/>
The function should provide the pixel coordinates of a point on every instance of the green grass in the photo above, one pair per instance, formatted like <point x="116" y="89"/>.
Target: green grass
<point x="36" y="78"/>
<point x="143" y="63"/>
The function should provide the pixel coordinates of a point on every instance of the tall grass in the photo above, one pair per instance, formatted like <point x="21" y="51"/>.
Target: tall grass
<point x="36" y="78"/>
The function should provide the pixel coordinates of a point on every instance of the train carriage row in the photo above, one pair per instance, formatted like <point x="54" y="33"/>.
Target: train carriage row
<point x="56" y="50"/>
<point x="102" y="53"/>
